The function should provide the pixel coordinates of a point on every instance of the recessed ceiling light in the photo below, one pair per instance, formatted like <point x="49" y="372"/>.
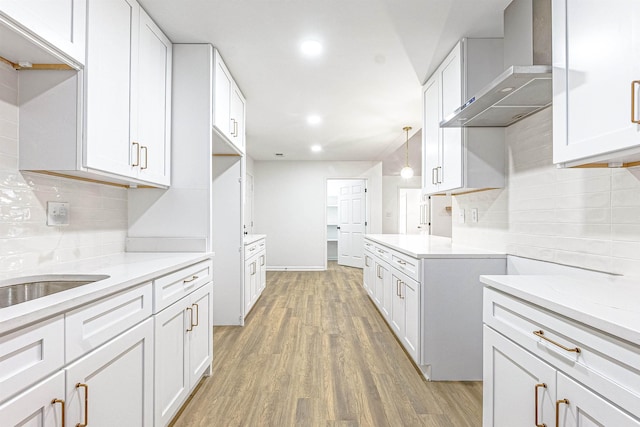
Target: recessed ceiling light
<point x="311" y="47"/>
<point x="314" y="119"/>
<point x="316" y="148"/>
<point x="506" y="89"/>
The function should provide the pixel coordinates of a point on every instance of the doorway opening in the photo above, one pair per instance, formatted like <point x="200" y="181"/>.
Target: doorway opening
<point x="346" y="221"/>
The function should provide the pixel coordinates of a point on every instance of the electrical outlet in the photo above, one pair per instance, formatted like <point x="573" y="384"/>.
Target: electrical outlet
<point x="474" y="215"/>
<point x="57" y="213"/>
<point x="461" y="216"/>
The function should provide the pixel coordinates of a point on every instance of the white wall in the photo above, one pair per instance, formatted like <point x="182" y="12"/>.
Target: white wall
<point x="390" y="187"/>
<point x="290" y="207"/>
<point x="588" y="218"/>
<point x="98" y="213"/>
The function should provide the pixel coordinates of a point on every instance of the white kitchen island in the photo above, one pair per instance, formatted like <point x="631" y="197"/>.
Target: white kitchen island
<point x="428" y="290"/>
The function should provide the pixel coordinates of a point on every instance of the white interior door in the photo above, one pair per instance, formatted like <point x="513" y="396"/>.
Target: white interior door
<point x="351" y="222"/>
<point x="409" y="210"/>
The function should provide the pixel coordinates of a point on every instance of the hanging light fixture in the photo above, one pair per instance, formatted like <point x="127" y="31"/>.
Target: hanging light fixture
<point x="406" y="171"/>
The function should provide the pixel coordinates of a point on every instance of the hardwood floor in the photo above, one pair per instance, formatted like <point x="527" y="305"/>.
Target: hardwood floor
<point x="315" y="352"/>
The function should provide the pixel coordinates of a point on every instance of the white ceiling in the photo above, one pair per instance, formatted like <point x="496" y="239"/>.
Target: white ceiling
<point x="365" y="85"/>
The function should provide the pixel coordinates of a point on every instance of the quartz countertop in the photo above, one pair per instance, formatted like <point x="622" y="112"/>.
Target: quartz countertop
<point x="610" y="304"/>
<point x="252" y="238"/>
<point x="426" y="246"/>
<point x="125" y="270"/>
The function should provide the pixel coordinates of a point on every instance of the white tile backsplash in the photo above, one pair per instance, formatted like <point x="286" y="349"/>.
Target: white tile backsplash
<point x="584" y="217"/>
<point x="98" y="213"/>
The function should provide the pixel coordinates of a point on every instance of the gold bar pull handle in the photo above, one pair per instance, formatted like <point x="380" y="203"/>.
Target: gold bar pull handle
<point x="633" y="101"/>
<point x="558" y="403"/>
<point x="542" y="385"/>
<point x="146" y="156"/>
<point x="540" y="334"/>
<point x="197" y="314"/>
<point x="86" y="404"/>
<point x="190" y="328"/>
<point x="434" y="179"/>
<point x="190" y="280"/>
<point x="61" y="402"/>
<point x="137" y="162"/>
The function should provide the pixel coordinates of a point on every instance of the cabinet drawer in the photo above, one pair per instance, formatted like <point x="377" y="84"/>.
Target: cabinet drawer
<point x="382" y="253"/>
<point x="170" y="288"/>
<point x="252" y="249"/>
<point x="603" y="363"/>
<point x="30" y="354"/>
<point x="368" y="246"/>
<point x="89" y="327"/>
<point x="406" y="264"/>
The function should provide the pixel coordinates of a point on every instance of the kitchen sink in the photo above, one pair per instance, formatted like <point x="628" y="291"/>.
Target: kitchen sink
<point x="24" y="289"/>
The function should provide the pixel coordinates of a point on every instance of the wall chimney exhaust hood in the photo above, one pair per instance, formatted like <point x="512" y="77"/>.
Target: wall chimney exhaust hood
<point x="521" y="89"/>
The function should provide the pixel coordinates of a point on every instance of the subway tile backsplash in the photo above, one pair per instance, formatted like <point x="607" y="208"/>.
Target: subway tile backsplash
<point x="588" y="218"/>
<point x="98" y="213"/>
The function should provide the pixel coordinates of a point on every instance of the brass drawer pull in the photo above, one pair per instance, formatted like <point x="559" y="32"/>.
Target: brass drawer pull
<point x="190" y="280"/>
<point x="401" y="262"/>
<point x="61" y="402"/>
<point x="86" y="404"/>
<point x="558" y="402"/>
<point x="137" y="162"/>
<point x="540" y="334"/>
<point x="197" y="314"/>
<point x="542" y="385"/>
<point x="146" y="157"/>
<point x="633" y="101"/>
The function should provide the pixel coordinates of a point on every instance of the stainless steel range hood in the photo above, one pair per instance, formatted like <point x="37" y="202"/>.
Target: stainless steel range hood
<point x="515" y="94"/>
<point x="522" y="89"/>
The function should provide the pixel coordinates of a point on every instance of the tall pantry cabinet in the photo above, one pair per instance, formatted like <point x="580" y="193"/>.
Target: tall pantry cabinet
<point x="205" y="199"/>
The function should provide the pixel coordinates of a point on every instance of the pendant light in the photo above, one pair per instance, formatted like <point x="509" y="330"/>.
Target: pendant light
<point x="406" y="171"/>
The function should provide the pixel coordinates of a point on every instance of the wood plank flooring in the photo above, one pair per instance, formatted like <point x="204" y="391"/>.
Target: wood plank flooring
<point x="315" y="352"/>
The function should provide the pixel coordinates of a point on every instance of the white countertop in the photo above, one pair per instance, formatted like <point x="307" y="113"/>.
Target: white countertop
<point x="610" y="304"/>
<point x="125" y="270"/>
<point x="252" y="238"/>
<point x="426" y="246"/>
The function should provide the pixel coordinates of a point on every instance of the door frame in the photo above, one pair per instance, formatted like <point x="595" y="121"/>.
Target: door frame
<point x="367" y="214"/>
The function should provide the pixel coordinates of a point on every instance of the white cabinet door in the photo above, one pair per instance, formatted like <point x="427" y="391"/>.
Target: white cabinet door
<point x="581" y="407"/>
<point x="512" y="385"/>
<point x="398" y="314"/>
<point x="378" y="293"/>
<point x="171" y="365"/>
<point x="410" y="292"/>
<point x="237" y="116"/>
<point x="450" y="173"/>
<point x="223" y="87"/>
<point x="154" y="102"/>
<point x="387" y="292"/>
<point x="200" y="336"/>
<point x="262" y="268"/>
<point x="114" y="383"/>
<point x="109" y="142"/>
<point x="36" y="407"/>
<point x="368" y="274"/>
<point x="592" y="94"/>
<point x="248" y="275"/>
<point x="62" y="23"/>
<point x="431" y="135"/>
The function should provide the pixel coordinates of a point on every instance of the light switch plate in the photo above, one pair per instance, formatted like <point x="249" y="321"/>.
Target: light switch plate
<point x="57" y="213"/>
<point x="474" y="215"/>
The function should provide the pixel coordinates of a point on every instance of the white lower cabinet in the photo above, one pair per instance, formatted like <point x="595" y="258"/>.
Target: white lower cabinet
<point x="113" y="385"/>
<point x="39" y="406"/>
<point x="368" y="273"/>
<point x="544" y="369"/>
<point x="255" y="273"/>
<point x="183" y="349"/>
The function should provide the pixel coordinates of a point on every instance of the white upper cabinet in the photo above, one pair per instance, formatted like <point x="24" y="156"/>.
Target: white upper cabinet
<point x="128" y="92"/>
<point x="110" y="121"/>
<point x="596" y="66"/>
<point x="60" y="23"/>
<point x="229" y="105"/>
<point x="461" y="159"/>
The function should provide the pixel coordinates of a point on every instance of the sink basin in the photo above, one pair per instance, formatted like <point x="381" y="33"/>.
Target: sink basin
<point x="19" y="290"/>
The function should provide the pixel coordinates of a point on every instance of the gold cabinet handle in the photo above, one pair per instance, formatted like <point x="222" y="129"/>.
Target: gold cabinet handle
<point x="190" y="280"/>
<point x="558" y="403"/>
<point x="197" y="314"/>
<point x="401" y="284"/>
<point x="366" y="261"/>
<point x="398" y="287"/>
<point x="235" y="128"/>
<point x="401" y="262"/>
<point x="61" y="402"/>
<point x="261" y="260"/>
<point x="633" y="101"/>
<point x="137" y="163"/>
<point x="190" y="328"/>
<point x="439" y="168"/>
<point x="86" y="404"/>
<point x="146" y="156"/>
<point x="540" y="334"/>
<point x="434" y="180"/>
<point x="542" y="385"/>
